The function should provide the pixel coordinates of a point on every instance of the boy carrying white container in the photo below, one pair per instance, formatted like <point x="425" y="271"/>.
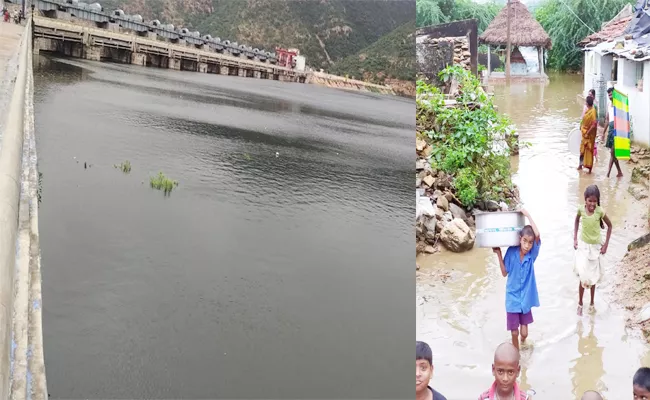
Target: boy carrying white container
<point x="521" y="287"/>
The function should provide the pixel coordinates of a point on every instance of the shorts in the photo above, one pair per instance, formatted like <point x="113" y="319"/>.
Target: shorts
<point x="609" y="143"/>
<point x="516" y="319"/>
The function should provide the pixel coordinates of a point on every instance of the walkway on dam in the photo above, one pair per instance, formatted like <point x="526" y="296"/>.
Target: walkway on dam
<point x="10" y="35"/>
<point x="22" y="367"/>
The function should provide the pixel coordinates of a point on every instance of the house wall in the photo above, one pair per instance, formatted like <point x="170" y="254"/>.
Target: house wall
<point x="596" y="65"/>
<point x="639" y="98"/>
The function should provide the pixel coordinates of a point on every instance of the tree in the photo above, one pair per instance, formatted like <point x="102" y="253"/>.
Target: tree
<point x="568" y="22"/>
<point x="433" y="12"/>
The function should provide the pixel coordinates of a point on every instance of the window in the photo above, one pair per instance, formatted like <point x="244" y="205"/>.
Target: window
<point x="639" y="70"/>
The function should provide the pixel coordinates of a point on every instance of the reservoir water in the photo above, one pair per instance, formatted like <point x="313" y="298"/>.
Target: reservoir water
<point x="278" y="268"/>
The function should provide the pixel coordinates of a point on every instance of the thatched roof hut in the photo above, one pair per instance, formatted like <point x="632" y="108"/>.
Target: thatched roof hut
<point x="524" y="29"/>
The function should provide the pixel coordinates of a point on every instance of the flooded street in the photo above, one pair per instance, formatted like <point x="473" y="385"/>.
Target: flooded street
<point x="268" y="273"/>
<point x="464" y="319"/>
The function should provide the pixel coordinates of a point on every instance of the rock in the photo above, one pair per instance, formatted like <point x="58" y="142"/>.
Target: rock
<point x="417" y="266"/>
<point x="633" y="159"/>
<point x="449" y="196"/>
<point x="430" y="225"/>
<point x="418" y="181"/>
<point x="439" y="213"/>
<point x="420" y="164"/>
<point x="443" y="203"/>
<point x="429" y="249"/>
<point x="419" y="230"/>
<point x="638" y="191"/>
<point x="457" y="236"/>
<point x="491" y="205"/>
<point x="639" y="242"/>
<point x="431" y="238"/>
<point x="447" y="217"/>
<point x="644" y="315"/>
<point x="427" y="151"/>
<point x="480" y="205"/>
<point x="439" y="226"/>
<point x="457" y="212"/>
<point x="503" y="206"/>
<point x="429" y="180"/>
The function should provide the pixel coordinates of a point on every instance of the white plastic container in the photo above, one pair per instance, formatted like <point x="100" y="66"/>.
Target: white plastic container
<point x="499" y="229"/>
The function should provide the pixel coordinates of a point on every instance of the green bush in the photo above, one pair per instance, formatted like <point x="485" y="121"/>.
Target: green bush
<point x="463" y="137"/>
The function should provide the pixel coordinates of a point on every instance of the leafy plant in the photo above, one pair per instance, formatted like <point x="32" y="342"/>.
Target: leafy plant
<point x="567" y="22"/>
<point x="124" y="167"/>
<point x="434" y="12"/>
<point x="161" y="182"/>
<point x="465" y="138"/>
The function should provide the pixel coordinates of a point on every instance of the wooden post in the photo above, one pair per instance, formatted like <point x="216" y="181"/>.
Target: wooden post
<point x="489" y="64"/>
<point x="508" y="49"/>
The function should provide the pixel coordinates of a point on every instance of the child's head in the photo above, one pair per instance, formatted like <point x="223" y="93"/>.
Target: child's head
<point x="592" y="199"/>
<point x="589" y="101"/>
<point x="526" y="238"/>
<point x="506" y="366"/>
<point x="641" y="384"/>
<point x="591" y="395"/>
<point x="423" y="366"/>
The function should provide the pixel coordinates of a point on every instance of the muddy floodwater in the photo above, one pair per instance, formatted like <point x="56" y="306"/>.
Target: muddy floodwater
<point x="272" y="271"/>
<point x="464" y="318"/>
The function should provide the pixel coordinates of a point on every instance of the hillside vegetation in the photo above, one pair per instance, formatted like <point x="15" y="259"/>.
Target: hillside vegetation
<point x="325" y="31"/>
<point x="390" y="57"/>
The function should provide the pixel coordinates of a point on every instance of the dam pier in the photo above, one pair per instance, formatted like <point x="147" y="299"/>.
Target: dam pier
<point x="72" y="40"/>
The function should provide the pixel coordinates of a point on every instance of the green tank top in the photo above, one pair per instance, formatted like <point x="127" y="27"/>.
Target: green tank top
<point x="591" y="225"/>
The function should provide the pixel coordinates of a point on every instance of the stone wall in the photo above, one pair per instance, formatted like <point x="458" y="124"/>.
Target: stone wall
<point x="467" y="29"/>
<point x="436" y="54"/>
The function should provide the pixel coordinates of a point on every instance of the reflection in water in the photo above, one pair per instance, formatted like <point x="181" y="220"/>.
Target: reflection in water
<point x="588" y="370"/>
<point x="464" y="319"/>
<point x="260" y="276"/>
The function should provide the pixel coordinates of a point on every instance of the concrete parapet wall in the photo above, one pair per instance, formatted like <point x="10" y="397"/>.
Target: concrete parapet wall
<point x="11" y="154"/>
<point x="323" y="79"/>
<point x="22" y="368"/>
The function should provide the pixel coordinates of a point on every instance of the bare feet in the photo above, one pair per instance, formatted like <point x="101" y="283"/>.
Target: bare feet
<point x="579" y="167"/>
<point x="620" y="175"/>
<point x="580" y="310"/>
<point x="592" y="309"/>
<point x="589" y="171"/>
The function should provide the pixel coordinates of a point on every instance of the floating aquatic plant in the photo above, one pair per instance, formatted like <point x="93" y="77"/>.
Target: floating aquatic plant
<point x="161" y="182"/>
<point x="124" y="167"/>
<point x="39" y="192"/>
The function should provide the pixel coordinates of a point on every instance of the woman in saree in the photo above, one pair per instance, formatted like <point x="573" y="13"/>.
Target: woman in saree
<point x="588" y="128"/>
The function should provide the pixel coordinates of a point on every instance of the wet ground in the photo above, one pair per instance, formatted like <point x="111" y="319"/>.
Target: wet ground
<point x="260" y="276"/>
<point x="464" y="318"/>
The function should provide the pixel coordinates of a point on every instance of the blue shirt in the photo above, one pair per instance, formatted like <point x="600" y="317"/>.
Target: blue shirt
<point x="521" y="288"/>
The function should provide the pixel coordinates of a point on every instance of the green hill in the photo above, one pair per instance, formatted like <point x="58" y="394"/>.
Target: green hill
<point x="325" y="31"/>
<point x="390" y="57"/>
